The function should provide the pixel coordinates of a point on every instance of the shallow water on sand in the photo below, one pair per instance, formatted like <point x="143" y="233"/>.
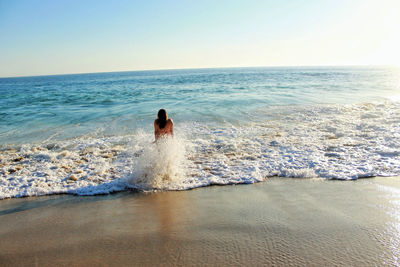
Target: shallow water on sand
<point x="281" y="222"/>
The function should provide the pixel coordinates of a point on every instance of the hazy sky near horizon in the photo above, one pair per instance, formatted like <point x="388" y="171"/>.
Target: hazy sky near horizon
<point x="54" y="37"/>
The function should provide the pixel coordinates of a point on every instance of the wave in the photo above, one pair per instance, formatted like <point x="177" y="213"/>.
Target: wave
<point x="326" y="141"/>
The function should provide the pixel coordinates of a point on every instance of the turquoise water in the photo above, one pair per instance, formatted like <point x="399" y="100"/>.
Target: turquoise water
<point x="34" y="108"/>
<point x="236" y="125"/>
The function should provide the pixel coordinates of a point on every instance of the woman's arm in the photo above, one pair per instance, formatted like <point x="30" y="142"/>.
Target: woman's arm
<point x="172" y="128"/>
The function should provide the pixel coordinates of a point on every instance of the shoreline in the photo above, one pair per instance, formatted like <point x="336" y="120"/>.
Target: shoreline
<point x="275" y="222"/>
<point x="135" y="190"/>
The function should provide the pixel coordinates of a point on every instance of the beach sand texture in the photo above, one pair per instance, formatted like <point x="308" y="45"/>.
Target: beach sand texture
<point x="280" y="222"/>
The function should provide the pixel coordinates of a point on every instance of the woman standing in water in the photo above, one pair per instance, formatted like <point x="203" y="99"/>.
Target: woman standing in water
<point x="163" y="126"/>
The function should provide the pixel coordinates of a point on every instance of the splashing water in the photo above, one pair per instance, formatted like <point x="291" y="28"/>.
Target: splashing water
<point x="92" y="133"/>
<point x="160" y="165"/>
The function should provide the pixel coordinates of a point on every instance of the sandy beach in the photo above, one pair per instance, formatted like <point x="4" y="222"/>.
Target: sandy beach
<point x="200" y="133"/>
<point x="280" y="222"/>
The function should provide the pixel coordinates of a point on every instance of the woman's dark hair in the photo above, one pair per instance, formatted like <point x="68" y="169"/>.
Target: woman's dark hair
<point x="162" y="118"/>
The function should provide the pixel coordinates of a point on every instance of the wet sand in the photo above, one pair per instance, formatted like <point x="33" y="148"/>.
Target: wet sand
<point x="280" y="222"/>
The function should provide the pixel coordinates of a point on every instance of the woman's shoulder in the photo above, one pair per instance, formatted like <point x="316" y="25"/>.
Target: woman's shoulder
<point x="170" y="121"/>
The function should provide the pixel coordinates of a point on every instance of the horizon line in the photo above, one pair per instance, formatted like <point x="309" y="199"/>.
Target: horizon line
<point x="200" y="68"/>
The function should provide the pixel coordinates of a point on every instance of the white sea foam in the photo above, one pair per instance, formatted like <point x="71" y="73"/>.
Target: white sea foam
<point x="160" y="165"/>
<point x="327" y="141"/>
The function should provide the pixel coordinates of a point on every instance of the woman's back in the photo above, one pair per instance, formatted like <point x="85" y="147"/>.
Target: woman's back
<point x="163" y="125"/>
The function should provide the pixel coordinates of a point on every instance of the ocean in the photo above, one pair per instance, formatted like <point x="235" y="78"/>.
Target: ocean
<point x="90" y="134"/>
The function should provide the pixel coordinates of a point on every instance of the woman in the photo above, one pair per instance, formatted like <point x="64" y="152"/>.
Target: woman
<point x="163" y="125"/>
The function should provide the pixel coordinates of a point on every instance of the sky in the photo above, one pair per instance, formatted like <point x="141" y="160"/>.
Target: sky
<point x="45" y="37"/>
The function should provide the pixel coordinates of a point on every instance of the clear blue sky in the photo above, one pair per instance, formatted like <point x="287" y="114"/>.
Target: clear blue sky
<point x="51" y="37"/>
